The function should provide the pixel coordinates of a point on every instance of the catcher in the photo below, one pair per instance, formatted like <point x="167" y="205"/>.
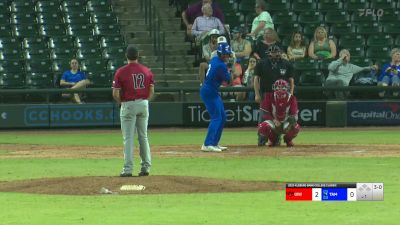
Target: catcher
<point x="280" y="115"/>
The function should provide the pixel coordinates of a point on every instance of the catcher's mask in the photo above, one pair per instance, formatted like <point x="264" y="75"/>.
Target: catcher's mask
<point x="274" y="52"/>
<point x="281" y="89"/>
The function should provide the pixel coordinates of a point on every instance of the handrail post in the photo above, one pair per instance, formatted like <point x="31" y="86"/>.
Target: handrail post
<point x="146" y="19"/>
<point x="163" y="52"/>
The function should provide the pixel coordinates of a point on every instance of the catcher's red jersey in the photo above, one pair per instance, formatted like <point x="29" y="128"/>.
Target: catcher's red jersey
<point x="278" y="108"/>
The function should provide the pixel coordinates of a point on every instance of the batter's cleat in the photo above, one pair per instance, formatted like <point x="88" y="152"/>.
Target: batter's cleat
<point x="123" y="174"/>
<point x="143" y="174"/>
<point x="210" y="148"/>
<point x="262" y="140"/>
<point x="222" y="148"/>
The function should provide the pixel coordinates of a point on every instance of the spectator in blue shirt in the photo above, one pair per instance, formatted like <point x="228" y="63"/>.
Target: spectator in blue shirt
<point x="390" y="74"/>
<point x="74" y="79"/>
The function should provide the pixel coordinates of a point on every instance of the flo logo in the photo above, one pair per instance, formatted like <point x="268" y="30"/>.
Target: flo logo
<point x="370" y="12"/>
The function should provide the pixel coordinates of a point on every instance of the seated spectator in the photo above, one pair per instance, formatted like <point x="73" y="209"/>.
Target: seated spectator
<point x="74" y="79"/>
<point x="297" y="48"/>
<point x="390" y="73"/>
<point x="203" y="24"/>
<point x="321" y="47"/>
<point x="237" y="75"/>
<point x="262" y="21"/>
<point x="340" y="73"/>
<point x="208" y="49"/>
<point x="248" y="77"/>
<point x="240" y="46"/>
<point x="270" y="38"/>
<point x="195" y="10"/>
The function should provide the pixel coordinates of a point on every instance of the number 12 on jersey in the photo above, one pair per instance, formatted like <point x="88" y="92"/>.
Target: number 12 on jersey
<point x="138" y="80"/>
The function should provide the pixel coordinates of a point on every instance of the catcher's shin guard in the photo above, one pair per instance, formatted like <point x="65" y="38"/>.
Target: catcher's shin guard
<point x="265" y="128"/>
<point x="292" y="133"/>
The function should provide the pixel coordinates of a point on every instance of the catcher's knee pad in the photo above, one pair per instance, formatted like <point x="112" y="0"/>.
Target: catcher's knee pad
<point x="292" y="133"/>
<point x="265" y="128"/>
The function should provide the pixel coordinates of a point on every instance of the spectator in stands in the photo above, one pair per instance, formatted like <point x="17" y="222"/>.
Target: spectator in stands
<point x="208" y="49"/>
<point x="195" y="10"/>
<point x="341" y="71"/>
<point x="270" y="38"/>
<point x="74" y="79"/>
<point x="297" y="48"/>
<point x="248" y="77"/>
<point x="203" y="24"/>
<point x="390" y="74"/>
<point x="262" y="21"/>
<point x="237" y="76"/>
<point x="240" y="46"/>
<point x="321" y="47"/>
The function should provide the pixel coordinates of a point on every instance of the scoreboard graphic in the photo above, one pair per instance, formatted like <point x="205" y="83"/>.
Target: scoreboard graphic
<point x="334" y="192"/>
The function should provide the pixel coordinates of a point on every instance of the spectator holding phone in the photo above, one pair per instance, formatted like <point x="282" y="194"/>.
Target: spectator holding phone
<point x="390" y="73"/>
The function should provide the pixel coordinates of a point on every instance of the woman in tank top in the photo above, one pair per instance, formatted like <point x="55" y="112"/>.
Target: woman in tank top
<point x="321" y="47"/>
<point x="297" y="48"/>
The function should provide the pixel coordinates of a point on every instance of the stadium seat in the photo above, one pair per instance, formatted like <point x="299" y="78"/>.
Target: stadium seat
<point x="397" y="41"/>
<point x="21" y="6"/>
<point x="60" y="65"/>
<point x="47" y="7"/>
<point x="329" y="5"/>
<point x="107" y="18"/>
<point x="382" y="4"/>
<point x="37" y="53"/>
<point x="114" y="64"/>
<point x="337" y="17"/>
<point x="4" y="18"/>
<point x="383" y="40"/>
<point x="305" y="64"/>
<point x="106" y="29"/>
<point x="77" y="18"/>
<point x="284" y="17"/>
<point x="389" y="16"/>
<point x="287" y="29"/>
<point x="23" y="18"/>
<point x="391" y="28"/>
<point x="88" y="53"/>
<point x="351" y="40"/>
<point x="304" y="6"/>
<point x="71" y="6"/>
<point x="356" y="51"/>
<point x="309" y="29"/>
<point x="12" y="80"/>
<point x="361" y="61"/>
<point x="61" y="53"/>
<point x="10" y="66"/>
<point x="93" y="65"/>
<point x="378" y="52"/>
<point x="35" y="43"/>
<point x="114" y="53"/>
<point x="100" y="79"/>
<point x="355" y="5"/>
<point x="311" y="78"/>
<point x="112" y="41"/>
<point x="310" y="18"/>
<point x="4" y="7"/>
<point x="80" y="29"/>
<point x="39" y="80"/>
<point x="86" y="42"/>
<point x="357" y="18"/>
<point x="64" y="42"/>
<point x="49" y="18"/>
<point x="22" y="30"/>
<point x="10" y="43"/>
<point x="38" y="66"/>
<point x="368" y="28"/>
<point x="99" y="6"/>
<point x="277" y="5"/>
<point x="52" y="30"/>
<point x="341" y="29"/>
<point x="11" y="54"/>
<point x="5" y="31"/>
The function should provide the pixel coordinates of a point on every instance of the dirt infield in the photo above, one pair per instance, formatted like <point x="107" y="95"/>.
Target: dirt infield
<point x="151" y="184"/>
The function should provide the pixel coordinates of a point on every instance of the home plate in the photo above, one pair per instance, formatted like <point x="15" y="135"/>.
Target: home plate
<point x="133" y="187"/>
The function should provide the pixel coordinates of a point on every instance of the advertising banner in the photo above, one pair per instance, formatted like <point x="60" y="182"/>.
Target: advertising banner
<point x="373" y="113"/>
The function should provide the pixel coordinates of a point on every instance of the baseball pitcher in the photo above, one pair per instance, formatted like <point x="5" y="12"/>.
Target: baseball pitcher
<point x="280" y="115"/>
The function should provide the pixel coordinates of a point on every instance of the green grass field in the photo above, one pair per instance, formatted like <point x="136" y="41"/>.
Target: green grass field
<point x="257" y="208"/>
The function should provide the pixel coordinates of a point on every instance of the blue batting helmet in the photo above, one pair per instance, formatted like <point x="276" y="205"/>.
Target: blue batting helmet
<point x="224" y="49"/>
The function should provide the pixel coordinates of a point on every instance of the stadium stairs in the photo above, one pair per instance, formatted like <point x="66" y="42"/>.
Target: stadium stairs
<point x="179" y="71"/>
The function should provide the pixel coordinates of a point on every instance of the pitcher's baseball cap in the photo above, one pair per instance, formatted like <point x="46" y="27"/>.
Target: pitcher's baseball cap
<point x="132" y="52"/>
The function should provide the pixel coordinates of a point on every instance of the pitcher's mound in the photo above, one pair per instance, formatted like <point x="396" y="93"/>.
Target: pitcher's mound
<point x="135" y="185"/>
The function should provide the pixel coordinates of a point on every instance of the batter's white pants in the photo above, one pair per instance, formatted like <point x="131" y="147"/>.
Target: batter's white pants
<point x="135" y="115"/>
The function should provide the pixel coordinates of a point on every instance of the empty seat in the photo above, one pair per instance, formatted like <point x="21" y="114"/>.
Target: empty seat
<point x="80" y="29"/>
<point x="4" y="7"/>
<point x="305" y="64"/>
<point x="311" y="78"/>
<point x="391" y="28"/>
<point x="382" y="4"/>
<point x="363" y="62"/>
<point x="23" y="30"/>
<point x="10" y="54"/>
<point x="277" y="5"/>
<point x="389" y="16"/>
<point x="23" y="18"/>
<point x="114" y="53"/>
<point x="397" y="41"/>
<point x="309" y="29"/>
<point x="38" y="66"/>
<point x="114" y="64"/>
<point x="304" y="6"/>
<point x="86" y="42"/>
<point x="378" y="52"/>
<point x="107" y="18"/>
<point x="88" y="53"/>
<point x="99" y="6"/>
<point x="355" y="5"/>
<point x="37" y="53"/>
<point x="77" y="18"/>
<point x="288" y="29"/>
<point x="49" y="18"/>
<point x="10" y="66"/>
<point x="310" y="18"/>
<point x="64" y="42"/>
<point x="340" y="29"/>
<point x="112" y="41"/>
<point x="337" y="17"/>
<point x="61" y="53"/>
<point x="358" y="18"/>
<point x="106" y="29"/>
<point x="35" y="43"/>
<point x="284" y="17"/>
<point x="47" y="6"/>
<point x="72" y="6"/>
<point x="246" y="7"/>
<point x="356" y="51"/>
<point x="94" y="65"/>
<point x="351" y="40"/>
<point x="4" y="18"/>
<point x="368" y="28"/>
<point x="52" y="30"/>
<point x="10" y="43"/>
<point x="22" y="6"/>
<point x="60" y="65"/>
<point x="39" y="80"/>
<point x="5" y="31"/>
<point x="100" y="79"/>
<point x="383" y="40"/>
<point x="12" y="80"/>
<point x="329" y="5"/>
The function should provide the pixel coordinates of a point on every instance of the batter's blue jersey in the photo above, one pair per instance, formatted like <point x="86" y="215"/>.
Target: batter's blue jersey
<point x="217" y="73"/>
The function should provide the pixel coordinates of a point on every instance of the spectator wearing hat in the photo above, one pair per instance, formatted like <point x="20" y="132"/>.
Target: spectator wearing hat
<point x="240" y="46"/>
<point x="262" y="21"/>
<point x="203" y="24"/>
<point x="195" y="10"/>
